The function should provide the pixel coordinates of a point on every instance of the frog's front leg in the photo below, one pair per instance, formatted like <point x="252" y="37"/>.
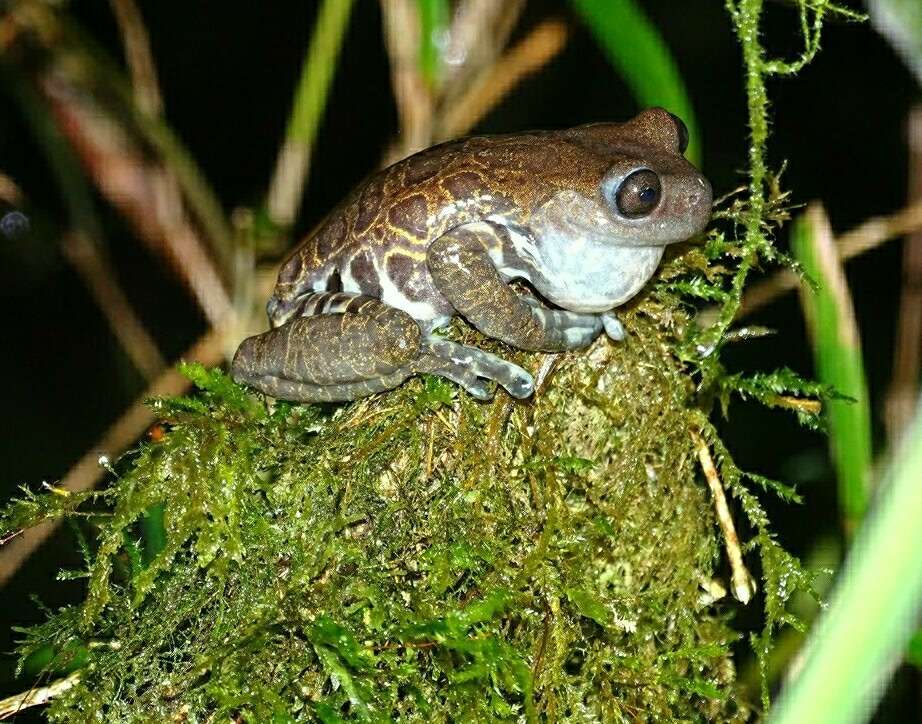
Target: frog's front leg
<point x="465" y="275"/>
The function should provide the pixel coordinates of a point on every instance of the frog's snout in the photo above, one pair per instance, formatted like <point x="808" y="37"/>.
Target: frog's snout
<point x="703" y="195"/>
<point x="700" y="199"/>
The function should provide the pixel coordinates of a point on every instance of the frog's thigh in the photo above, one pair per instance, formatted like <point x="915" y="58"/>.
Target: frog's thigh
<point x="465" y="275"/>
<point x="304" y="392"/>
<point x="365" y="342"/>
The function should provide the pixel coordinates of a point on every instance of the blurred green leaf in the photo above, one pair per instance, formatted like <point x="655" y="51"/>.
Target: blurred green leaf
<point x="837" y="351"/>
<point x="914" y="652"/>
<point x="874" y="608"/>
<point x="900" y="22"/>
<point x="433" y="24"/>
<point x="642" y="58"/>
<point x="307" y="110"/>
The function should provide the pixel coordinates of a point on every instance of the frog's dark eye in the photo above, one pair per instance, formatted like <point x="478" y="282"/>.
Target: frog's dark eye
<point x="638" y="194"/>
<point x="682" y="131"/>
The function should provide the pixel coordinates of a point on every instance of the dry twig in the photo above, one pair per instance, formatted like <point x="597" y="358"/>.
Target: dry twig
<point x="866" y="236"/>
<point x="528" y="56"/>
<point x="907" y="354"/>
<point x="414" y="99"/>
<point x="138" y="56"/>
<point x="12" y="705"/>
<point x="743" y="584"/>
<point x="127" y="327"/>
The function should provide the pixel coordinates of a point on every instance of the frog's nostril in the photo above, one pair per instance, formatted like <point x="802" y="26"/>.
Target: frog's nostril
<point x="701" y="196"/>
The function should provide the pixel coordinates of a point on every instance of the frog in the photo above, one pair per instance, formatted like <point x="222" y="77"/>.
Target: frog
<point x="532" y="238"/>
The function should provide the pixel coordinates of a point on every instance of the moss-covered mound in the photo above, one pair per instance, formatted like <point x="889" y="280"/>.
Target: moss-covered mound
<point x="418" y="555"/>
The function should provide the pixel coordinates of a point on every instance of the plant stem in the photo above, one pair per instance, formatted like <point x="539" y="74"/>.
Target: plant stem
<point x="287" y="185"/>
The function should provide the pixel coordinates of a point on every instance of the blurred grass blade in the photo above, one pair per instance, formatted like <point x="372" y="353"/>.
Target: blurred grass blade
<point x="64" y="164"/>
<point x="310" y="100"/>
<point x="640" y="55"/>
<point x="433" y="27"/>
<point x="900" y="22"/>
<point x="874" y="608"/>
<point x="837" y="351"/>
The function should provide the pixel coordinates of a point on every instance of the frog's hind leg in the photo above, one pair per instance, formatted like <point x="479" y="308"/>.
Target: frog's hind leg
<point x="343" y="346"/>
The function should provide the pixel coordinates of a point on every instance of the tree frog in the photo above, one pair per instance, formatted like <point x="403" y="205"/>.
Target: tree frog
<point x="580" y="216"/>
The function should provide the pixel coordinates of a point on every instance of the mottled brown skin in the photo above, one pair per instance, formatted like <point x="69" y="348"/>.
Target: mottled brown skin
<point x="581" y="215"/>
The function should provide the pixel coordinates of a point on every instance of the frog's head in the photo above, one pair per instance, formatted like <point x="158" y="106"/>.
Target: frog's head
<point x="629" y="193"/>
<point x="637" y="181"/>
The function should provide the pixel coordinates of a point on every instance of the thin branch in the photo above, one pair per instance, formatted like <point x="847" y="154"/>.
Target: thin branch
<point x="907" y="354"/>
<point x="86" y="473"/>
<point x="101" y="280"/>
<point x="413" y="96"/>
<point x="12" y="705"/>
<point x="138" y="56"/>
<point x="866" y="236"/>
<point x="528" y="56"/>
<point x="92" y="103"/>
<point x="479" y="32"/>
<point x="743" y="584"/>
<point x="142" y="190"/>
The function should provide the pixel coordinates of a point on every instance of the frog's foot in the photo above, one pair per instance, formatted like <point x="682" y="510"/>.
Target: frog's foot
<point x="613" y="327"/>
<point x="465" y="275"/>
<point x="348" y="347"/>
<point x="460" y="375"/>
<point x="465" y="365"/>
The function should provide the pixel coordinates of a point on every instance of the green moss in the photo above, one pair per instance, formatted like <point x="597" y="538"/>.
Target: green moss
<point x="416" y="554"/>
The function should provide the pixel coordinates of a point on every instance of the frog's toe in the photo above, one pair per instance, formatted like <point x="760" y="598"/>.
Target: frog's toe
<point x="519" y="383"/>
<point x="613" y="327"/>
<point x="478" y="390"/>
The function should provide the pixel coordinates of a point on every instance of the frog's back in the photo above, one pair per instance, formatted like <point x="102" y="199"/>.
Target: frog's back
<point x="375" y="241"/>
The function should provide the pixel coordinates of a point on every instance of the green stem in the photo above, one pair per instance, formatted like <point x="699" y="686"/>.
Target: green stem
<point x="310" y="99"/>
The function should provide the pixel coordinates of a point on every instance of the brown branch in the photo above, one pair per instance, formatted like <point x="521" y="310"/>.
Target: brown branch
<point x="414" y="99"/>
<point x="479" y="32"/>
<point x="101" y="280"/>
<point x="798" y="404"/>
<point x="143" y="190"/>
<point x="525" y="58"/>
<point x="138" y="56"/>
<point x="907" y="354"/>
<point x="869" y="235"/>
<point x="86" y="473"/>
<point x="12" y="705"/>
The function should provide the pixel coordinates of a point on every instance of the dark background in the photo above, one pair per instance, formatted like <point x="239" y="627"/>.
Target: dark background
<point x="227" y="71"/>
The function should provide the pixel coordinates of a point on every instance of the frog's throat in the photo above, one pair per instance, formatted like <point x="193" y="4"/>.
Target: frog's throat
<point x="580" y="273"/>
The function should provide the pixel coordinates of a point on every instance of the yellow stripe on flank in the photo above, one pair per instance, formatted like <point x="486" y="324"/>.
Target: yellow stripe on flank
<point x="401" y="251"/>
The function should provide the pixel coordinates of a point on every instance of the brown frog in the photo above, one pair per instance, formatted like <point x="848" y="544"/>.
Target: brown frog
<point x="581" y="215"/>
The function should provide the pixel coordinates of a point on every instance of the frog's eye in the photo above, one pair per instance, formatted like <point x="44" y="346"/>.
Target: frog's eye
<point x="682" y="131"/>
<point x="638" y="194"/>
